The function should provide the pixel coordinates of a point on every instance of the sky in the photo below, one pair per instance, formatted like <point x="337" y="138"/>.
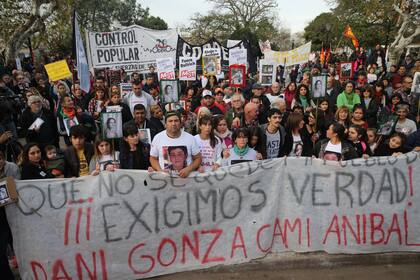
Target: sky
<point x="178" y="12"/>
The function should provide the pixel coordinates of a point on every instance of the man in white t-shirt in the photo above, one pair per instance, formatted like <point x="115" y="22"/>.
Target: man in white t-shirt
<point x="174" y="150"/>
<point x="138" y="96"/>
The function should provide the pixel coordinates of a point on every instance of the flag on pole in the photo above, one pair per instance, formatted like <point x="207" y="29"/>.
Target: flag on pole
<point x="348" y="32"/>
<point x="80" y="55"/>
<point x="322" y="56"/>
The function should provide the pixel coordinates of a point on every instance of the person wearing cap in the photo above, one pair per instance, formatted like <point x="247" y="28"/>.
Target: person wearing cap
<point x="38" y="124"/>
<point x="208" y="101"/>
<point x="174" y="150"/>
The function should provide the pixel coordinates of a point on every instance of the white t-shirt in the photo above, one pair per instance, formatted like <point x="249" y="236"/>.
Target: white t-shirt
<point x="407" y="127"/>
<point x="297" y="147"/>
<point x="174" y="153"/>
<point x="332" y="151"/>
<point x="145" y="99"/>
<point x="209" y="156"/>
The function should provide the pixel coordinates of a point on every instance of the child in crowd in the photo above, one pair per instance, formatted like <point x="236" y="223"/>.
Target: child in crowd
<point x="372" y="138"/>
<point x="357" y="117"/>
<point x="356" y="136"/>
<point x="392" y="147"/>
<point x="105" y="157"/>
<point x="222" y="131"/>
<point x="54" y="162"/>
<point x="255" y="142"/>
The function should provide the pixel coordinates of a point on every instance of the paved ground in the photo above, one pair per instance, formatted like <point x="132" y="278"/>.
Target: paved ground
<point x="360" y="272"/>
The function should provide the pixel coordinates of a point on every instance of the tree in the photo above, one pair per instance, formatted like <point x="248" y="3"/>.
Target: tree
<point x="48" y="22"/>
<point x="373" y="22"/>
<point x="35" y="14"/>
<point x="408" y="31"/>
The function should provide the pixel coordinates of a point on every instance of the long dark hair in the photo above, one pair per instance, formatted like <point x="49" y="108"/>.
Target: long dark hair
<point x="308" y="94"/>
<point x="24" y="158"/>
<point x="205" y="120"/>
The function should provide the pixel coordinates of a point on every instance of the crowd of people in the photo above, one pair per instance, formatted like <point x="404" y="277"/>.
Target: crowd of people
<point x="54" y="129"/>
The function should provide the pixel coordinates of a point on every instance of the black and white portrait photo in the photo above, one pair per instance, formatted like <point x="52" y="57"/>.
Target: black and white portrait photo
<point x="319" y="86"/>
<point x="169" y="91"/>
<point x="112" y="125"/>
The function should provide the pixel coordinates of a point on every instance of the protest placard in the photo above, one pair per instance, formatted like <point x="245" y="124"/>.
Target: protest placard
<point x="238" y="56"/>
<point x="131" y="224"/>
<point x="57" y="70"/>
<point x="187" y="69"/>
<point x="133" y="48"/>
<point x="267" y="72"/>
<point x="298" y="55"/>
<point x="165" y="68"/>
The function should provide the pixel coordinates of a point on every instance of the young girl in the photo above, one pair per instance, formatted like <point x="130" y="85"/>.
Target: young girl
<point x="369" y="106"/>
<point x="342" y="116"/>
<point x="210" y="145"/>
<point x="392" y="147"/>
<point x="255" y="142"/>
<point x="356" y="136"/>
<point x="302" y="98"/>
<point x="372" y="138"/>
<point x="358" y="117"/>
<point x="105" y="157"/>
<point x="221" y="130"/>
<point x="98" y="102"/>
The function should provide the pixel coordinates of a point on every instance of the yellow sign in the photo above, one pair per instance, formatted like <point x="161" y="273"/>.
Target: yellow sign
<point x="296" y="56"/>
<point x="58" y="70"/>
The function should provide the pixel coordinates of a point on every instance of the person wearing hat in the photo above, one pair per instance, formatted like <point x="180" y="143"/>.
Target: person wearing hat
<point x="208" y="100"/>
<point x="258" y="91"/>
<point x="38" y="124"/>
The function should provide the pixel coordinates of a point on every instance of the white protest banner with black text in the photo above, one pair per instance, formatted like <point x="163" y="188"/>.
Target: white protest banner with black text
<point x="133" y="48"/>
<point x="134" y="224"/>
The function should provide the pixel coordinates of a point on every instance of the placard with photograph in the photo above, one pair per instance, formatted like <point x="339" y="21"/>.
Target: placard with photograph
<point x="8" y="192"/>
<point x="111" y="125"/>
<point x="267" y="72"/>
<point x="175" y="158"/>
<point x="144" y="136"/>
<point x="169" y="91"/>
<point x="415" y="88"/>
<point x="319" y="86"/>
<point x="345" y="71"/>
<point x="211" y="65"/>
<point x="69" y="123"/>
<point x="237" y="75"/>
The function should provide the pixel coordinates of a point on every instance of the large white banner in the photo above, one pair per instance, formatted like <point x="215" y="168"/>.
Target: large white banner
<point x="133" y="49"/>
<point x="134" y="224"/>
<point x="298" y="55"/>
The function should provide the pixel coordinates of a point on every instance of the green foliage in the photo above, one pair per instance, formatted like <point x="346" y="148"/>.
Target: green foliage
<point x="373" y="22"/>
<point x="56" y="32"/>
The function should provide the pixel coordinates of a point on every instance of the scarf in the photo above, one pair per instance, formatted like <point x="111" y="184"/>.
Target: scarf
<point x="228" y="133"/>
<point x="70" y="113"/>
<point x="303" y="101"/>
<point x="241" y="152"/>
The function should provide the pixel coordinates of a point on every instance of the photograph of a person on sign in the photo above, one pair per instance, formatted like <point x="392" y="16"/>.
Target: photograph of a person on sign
<point x="319" y="86"/>
<point x="210" y="65"/>
<point x="112" y="125"/>
<point x="237" y="75"/>
<point x="267" y="69"/>
<point x="4" y="194"/>
<point x="345" y="70"/>
<point x="169" y="91"/>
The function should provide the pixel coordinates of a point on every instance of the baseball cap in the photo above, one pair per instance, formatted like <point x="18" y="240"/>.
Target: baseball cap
<point x="207" y="92"/>
<point x="257" y="86"/>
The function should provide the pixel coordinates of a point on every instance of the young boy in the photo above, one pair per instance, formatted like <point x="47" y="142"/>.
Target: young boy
<point x="54" y="162"/>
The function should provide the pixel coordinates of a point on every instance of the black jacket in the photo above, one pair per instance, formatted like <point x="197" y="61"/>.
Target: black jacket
<point x="370" y="111"/>
<point x="138" y="159"/>
<point x="72" y="161"/>
<point x="306" y="139"/>
<point x="30" y="171"/>
<point x="282" y="138"/>
<point x="347" y="150"/>
<point x="47" y="133"/>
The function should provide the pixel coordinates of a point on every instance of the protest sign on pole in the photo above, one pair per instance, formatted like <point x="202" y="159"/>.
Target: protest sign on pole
<point x="57" y="70"/>
<point x="187" y="69"/>
<point x="132" y="224"/>
<point x="165" y="68"/>
<point x="133" y="49"/>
